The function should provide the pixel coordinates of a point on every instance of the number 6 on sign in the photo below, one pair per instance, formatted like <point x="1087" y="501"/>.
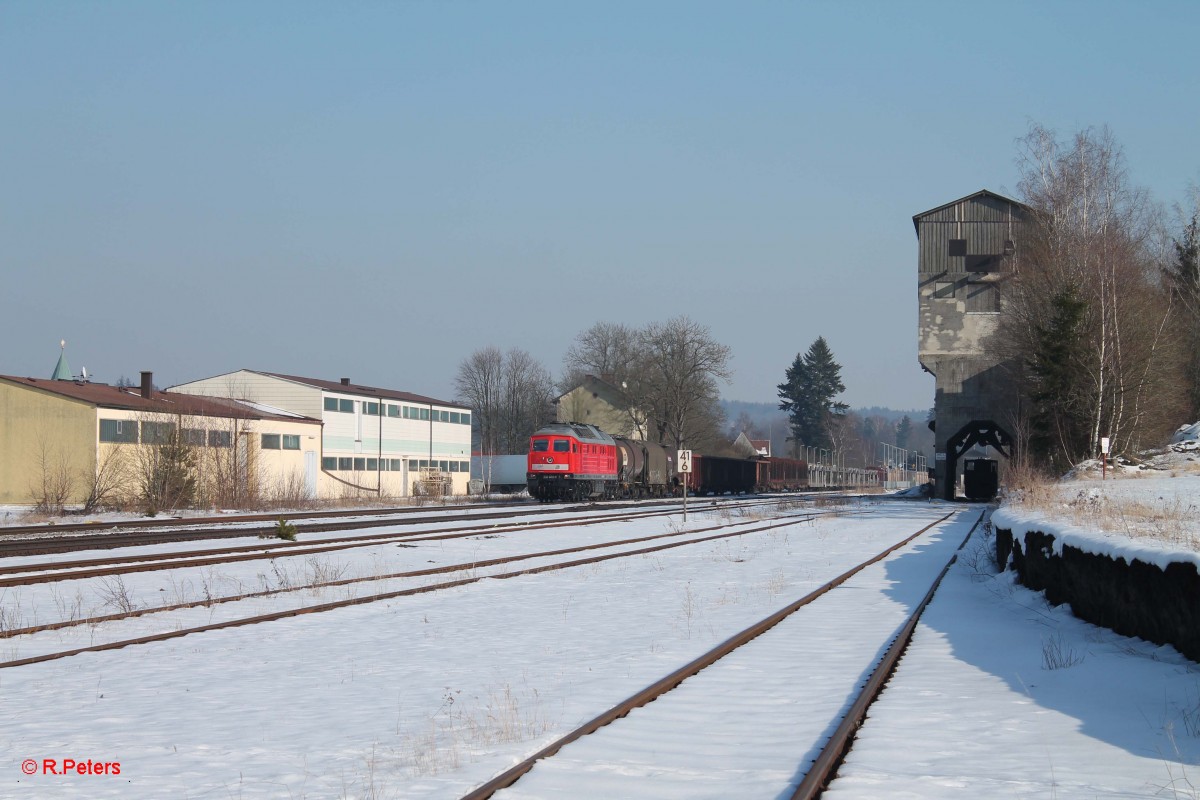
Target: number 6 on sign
<point x="684" y="461"/>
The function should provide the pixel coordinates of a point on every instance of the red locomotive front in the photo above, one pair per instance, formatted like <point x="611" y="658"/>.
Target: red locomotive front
<point x="571" y="462"/>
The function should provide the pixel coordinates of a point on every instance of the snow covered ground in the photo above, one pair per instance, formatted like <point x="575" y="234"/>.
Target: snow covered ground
<point x="1003" y="696"/>
<point x="431" y="695"/>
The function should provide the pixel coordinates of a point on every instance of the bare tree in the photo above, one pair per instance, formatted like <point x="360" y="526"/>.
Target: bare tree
<point x="52" y="482"/>
<point x="744" y="424"/>
<point x="479" y="384"/>
<point x="607" y="350"/>
<point x="1085" y="314"/>
<point x="527" y="393"/>
<point x="108" y="482"/>
<point x="510" y="396"/>
<point x="675" y="381"/>
<point x="164" y="464"/>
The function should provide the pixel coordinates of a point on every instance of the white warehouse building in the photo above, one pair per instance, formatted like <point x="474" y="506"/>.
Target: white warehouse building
<point x="371" y="440"/>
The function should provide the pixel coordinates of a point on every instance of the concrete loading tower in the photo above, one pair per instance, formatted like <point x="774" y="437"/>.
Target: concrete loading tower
<point x="966" y="250"/>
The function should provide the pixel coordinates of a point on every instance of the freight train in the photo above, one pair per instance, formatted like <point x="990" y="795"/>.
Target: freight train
<point x="575" y="461"/>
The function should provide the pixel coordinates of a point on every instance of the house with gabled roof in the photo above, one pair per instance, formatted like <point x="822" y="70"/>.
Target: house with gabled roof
<point x="372" y="440"/>
<point x="601" y="403"/>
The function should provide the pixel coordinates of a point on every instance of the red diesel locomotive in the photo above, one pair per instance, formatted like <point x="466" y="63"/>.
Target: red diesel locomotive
<point x="571" y="462"/>
<point x="575" y="461"/>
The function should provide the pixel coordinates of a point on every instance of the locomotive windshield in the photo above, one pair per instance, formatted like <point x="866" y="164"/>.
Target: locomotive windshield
<point x="541" y="445"/>
<point x="562" y="445"/>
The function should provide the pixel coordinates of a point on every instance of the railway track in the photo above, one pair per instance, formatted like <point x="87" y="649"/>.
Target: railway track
<point x="95" y="527"/>
<point x="602" y="747"/>
<point x="475" y="570"/>
<point x="47" y="540"/>
<point x="25" y="574"/>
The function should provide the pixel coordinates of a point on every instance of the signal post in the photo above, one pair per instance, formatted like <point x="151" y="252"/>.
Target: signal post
<point x="683" y="460"/>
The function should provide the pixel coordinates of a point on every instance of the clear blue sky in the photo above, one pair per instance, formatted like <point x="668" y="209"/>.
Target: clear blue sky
<point x="375" y="190"/>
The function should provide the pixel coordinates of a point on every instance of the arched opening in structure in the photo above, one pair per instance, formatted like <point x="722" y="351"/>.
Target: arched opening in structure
<point x="980" y="432"/>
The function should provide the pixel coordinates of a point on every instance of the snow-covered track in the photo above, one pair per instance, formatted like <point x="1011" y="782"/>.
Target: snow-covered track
<point x="28" y="574"/>
<point x="44" y="540"/>
<point x="688" y="538"/>
<point x="713" y="658"/>
<point x="834" y="752"/>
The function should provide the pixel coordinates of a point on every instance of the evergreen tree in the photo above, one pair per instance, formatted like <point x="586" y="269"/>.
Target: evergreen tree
<point x="1184" y="279"/>
<point x="813" y="381"/>
<point x="903" y="431"/>
<point x="1060" y="422"/>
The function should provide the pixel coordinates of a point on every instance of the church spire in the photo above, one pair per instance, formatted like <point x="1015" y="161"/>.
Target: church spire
<point x="62" y="371"/>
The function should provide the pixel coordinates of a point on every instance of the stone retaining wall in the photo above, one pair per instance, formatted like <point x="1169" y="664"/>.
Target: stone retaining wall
<point x="1133" y="599"/>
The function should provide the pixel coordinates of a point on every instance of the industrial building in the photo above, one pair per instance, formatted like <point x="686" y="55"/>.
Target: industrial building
<point x="64" y="439"/>
<point x="371" y="440"/>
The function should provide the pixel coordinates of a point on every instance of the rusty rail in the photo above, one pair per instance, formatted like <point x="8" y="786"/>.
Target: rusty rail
<point x="399" y="593"/>
<point x="825" y="765"/>
<point x="666" y="684"/>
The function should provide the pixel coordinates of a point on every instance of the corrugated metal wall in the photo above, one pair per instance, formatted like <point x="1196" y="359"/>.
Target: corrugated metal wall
<point x="986" y="224"/>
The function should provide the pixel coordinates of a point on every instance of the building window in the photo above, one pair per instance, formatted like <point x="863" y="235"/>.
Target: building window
<point x="360" y="464"/>
<point x="270" y="441"/>
<point x="453" y="417"/>
<point x="371" y="409"/>
<point x="346" y="406"/>
<point x="220" y="439"/>
<point x="291" y="441"/>
<point x="393" y="411"/>
<point x="943" y="290"/>
<point x="424" y="414"/>
<point x="982" y="298"/>
<point x="194" y="437"/>
<point x="345" y="464"/>
<point x="157" y="432"/>
<point x="958" y="247"/>
<point x="466" y="419"/>
<point x="464" y="466"/>
<point x="328" y="463"/>
<point x="372" y="465"/>
<point x="414" y="465"/>
<point x="118" y="430"/>
<point x="331" y="404"/>
<point x="397" y="465"/>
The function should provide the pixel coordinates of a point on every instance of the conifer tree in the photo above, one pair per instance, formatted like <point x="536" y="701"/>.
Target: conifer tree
<point x="1060" y="424"/>
<point x="1183" y="276"/>
<point x="813" y="381"/>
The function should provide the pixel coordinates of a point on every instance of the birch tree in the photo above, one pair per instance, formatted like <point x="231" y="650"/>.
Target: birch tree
<point x="1086" y="272"/>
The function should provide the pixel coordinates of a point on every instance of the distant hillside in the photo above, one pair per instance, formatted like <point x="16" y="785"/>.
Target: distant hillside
<point x="770" y="411"/>
<point x="766" y="421"/>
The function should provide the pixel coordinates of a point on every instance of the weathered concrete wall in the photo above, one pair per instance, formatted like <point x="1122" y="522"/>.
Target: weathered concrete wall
<point x="1133" y="599"/>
